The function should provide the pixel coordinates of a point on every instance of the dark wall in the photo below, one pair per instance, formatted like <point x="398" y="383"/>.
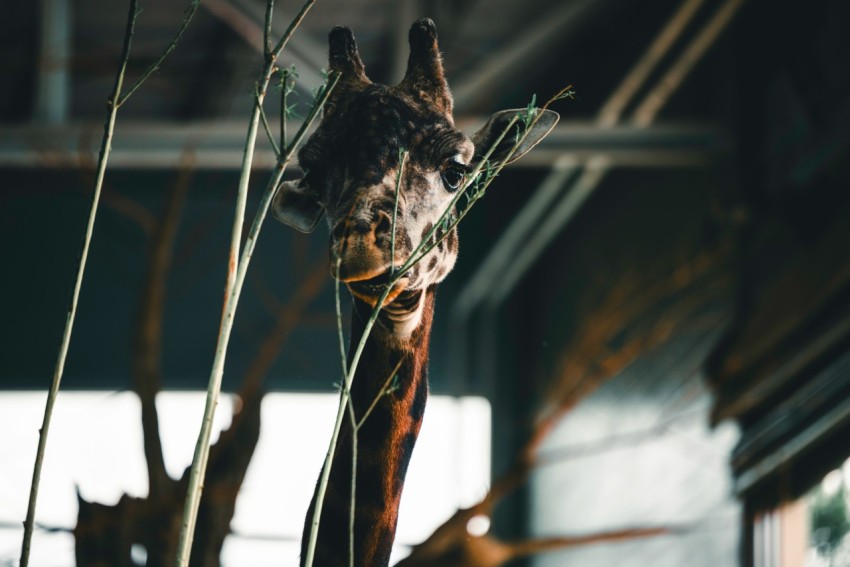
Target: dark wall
<point x="43" y="215"/>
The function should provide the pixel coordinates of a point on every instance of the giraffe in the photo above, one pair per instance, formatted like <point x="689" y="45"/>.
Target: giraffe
<point x="351" y="171"/>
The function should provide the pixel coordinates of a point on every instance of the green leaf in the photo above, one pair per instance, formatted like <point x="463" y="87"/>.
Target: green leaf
<point x="393" y="387"/>
<point x="290" y="112"/>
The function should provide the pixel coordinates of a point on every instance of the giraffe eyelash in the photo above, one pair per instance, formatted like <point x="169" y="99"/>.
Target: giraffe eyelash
<point x="454" y="163"/>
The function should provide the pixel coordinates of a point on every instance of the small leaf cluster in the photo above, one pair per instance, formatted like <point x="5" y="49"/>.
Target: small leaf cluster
<point x="287" y="84"/>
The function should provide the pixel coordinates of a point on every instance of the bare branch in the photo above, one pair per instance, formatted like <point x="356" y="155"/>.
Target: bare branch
<point x="532" y="546"/>
<point x="118" y="202"/>
<point x="235" y="281"/>
<point x="587" y="363"/>
<point x="292" y="27"/>
<point x="268" y="130"/>
<point x="154" y="67"/>
<point x="106" y="146"/>
<point x="453" y="546"/>
<point x="147" y="351"/>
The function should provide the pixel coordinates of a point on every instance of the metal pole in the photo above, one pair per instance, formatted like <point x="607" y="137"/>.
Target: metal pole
<point x="52" y="91"/>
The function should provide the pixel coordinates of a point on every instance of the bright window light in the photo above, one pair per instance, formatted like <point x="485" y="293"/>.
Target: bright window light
<point x="96" y="445"/>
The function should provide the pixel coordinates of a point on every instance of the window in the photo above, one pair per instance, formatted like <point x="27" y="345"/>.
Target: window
<point x="96" y="444"/>
<point x="813" y="531"/>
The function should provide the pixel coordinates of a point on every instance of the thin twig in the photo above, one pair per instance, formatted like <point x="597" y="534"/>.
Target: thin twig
<point x="321" y="489"/>
<point x="381" y="393"/>
<point x="233" y="290"/>
<point x="446" y="222"/>
<point x="351" y="511"/>
<point x="530" y="118"/>
<point x="292" y="27"/>
<point x="317" y="107"/>
<point x="402" y="159"/>
<point x="425" y="245"/>
<point x="340" y="334"/>
<point x="351" y="415"/>
<point x="355" y="425"/>
<point x="268" y="130"/>
<point x="284" y="93"/>
<point x="105" y="148"/>
<point x="267" y="31"/>
<point x="154" y="67"/>
<point x="355" y="432"/>
<point x="347" y="394"/>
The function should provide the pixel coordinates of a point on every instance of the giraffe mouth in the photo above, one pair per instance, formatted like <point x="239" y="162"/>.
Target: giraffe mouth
<point x="371" y="289"/>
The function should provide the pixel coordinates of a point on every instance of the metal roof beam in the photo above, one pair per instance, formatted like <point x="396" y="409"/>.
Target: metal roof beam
<point x="510" y="61"/>
<point x="518" y="232"/>
<point x="532" y="230"/>
<point x="219" y="145"/>
<point x="597" y="168"/>
<point x="247" y="20"/>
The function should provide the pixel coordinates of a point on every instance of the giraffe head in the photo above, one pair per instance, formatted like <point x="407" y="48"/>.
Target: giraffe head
<point x="351" y="165"/>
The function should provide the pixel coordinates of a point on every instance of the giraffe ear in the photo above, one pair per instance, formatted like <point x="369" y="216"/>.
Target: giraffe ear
<point x="490" y="132"/>
<point x="296" y="205"/>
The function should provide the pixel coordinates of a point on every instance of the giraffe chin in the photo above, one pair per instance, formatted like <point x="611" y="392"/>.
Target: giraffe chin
<point x="403" y="315"/>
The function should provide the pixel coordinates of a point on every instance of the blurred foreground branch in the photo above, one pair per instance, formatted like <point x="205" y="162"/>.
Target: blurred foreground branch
<point x="105" y="534"/>
<point x="604" y="345"/>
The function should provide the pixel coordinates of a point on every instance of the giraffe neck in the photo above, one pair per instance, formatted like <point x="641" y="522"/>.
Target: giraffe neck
<point x="384" y="444"/>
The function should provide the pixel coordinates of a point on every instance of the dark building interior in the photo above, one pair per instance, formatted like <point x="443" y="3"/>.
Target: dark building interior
<point x="655" y="301"/>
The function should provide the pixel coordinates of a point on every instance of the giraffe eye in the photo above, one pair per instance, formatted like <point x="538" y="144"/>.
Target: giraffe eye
<point x="452" y="178"/>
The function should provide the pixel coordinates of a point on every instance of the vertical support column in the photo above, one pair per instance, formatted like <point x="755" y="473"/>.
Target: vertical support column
<point x="53" y="80"/>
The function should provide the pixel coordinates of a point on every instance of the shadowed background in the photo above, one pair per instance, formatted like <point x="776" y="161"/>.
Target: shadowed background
<point x="672" y="257"/>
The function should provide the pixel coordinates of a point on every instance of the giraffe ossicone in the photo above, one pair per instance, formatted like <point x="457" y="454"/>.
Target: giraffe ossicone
<point x="373" y="140"/>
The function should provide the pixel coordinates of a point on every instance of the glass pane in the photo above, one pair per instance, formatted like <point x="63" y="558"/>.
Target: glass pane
<point x="96" y="445"/>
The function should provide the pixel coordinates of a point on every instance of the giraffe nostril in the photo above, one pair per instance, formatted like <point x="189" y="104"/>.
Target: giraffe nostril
<point x="339" y="231"/>
<point x="384" y="223"/>
<point x="360" y="226"/>
<point x="350" y="227"/>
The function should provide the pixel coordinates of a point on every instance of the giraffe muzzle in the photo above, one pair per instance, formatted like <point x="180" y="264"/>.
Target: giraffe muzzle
<point x="361" y="249"/>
